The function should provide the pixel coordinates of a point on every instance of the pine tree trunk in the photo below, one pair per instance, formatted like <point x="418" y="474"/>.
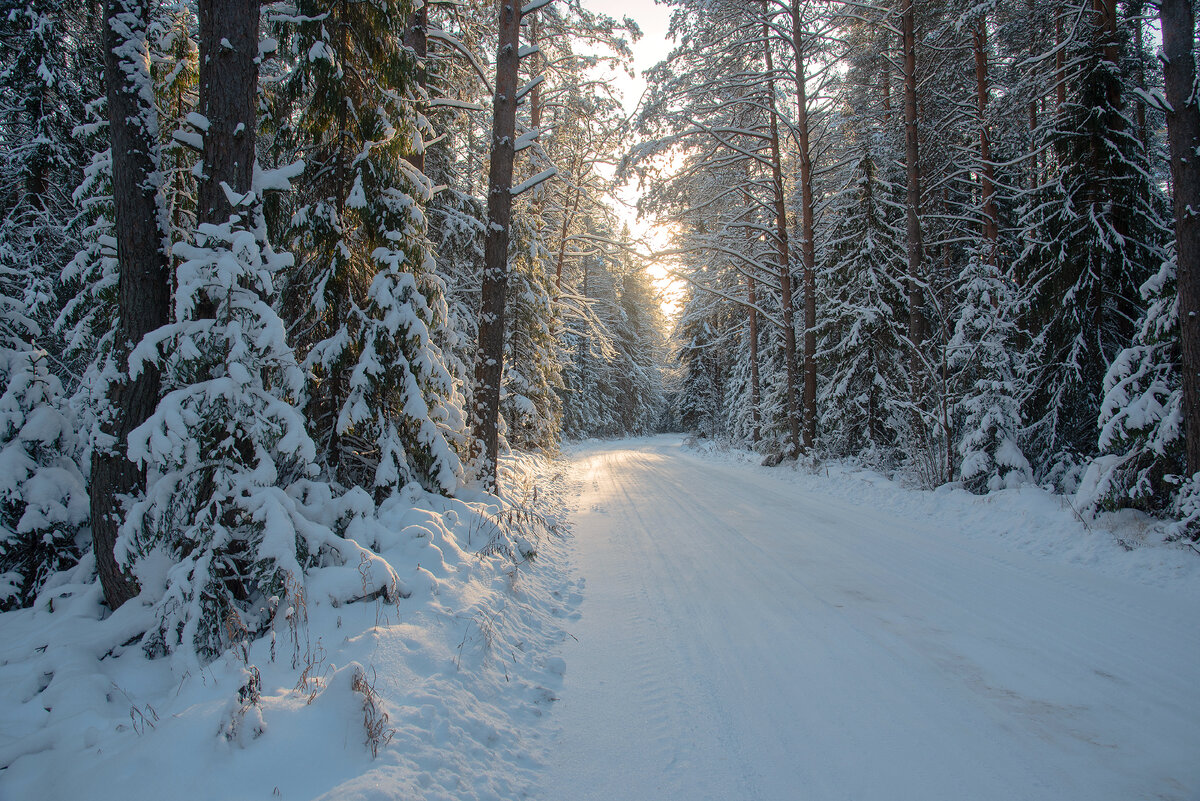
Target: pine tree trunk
<point x="782" y="251"/>
<point x="228" y="100"/>
<point x="489" y="359"/>
<point x="755" y="381"/>
<point x="913" y="240"/>
<point x="1060" y="66"/>
<point x="991" y="225"/>
<point x="416" y="38"/>
<point x="1137" y="10"/>
<point x="1183" y="133"/>
<point x="535" y="94"/>
<point x="143" y="293"/>
<point x="1032" y="48"/>
<point x="807" y="245"/>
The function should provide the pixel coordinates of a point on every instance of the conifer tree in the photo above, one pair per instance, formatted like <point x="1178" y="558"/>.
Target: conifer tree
<point x="143" y="292"/>
<point x="1143" y="458"/>
<point x="369" y="301"/>
<point x="982" y="352"/>
<point x="226" y="441"/>
<point x="863" y="343"/>
<point x="1094" y="235"/>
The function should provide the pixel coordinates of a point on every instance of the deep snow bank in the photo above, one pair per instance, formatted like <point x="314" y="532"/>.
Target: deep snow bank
<point x="429" y="696"/>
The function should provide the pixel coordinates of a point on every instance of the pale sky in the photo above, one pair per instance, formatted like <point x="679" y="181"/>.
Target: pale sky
<point x="652" y="48"/>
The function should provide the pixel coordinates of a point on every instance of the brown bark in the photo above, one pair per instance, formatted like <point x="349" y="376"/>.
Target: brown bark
<point x="1106" y="21"/>
<point x="913" y="239"/>
<point x="1183" y="135"/>
<point x="782" y="251"/>
<point x="535" y="94"/>
<point x="143" y="291"/>
<point x="1137" y="10"/>
<point x="807" y="246"/>
<point x="489" y="359"/>
<point x="1105" y="12"/>
<point x="228" y="95"/>
<point x="416" y="38"/>
<point x="991" y="224"/>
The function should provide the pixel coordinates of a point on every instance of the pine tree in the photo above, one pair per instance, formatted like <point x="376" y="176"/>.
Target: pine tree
<point x="863" y="343"/>
<point x="226" y="441"/>
<point x="982" y="352"/>
<point x="1141" y="441"/>
<point x="1094" y="235"/>
<point x="43" y="500"/>
<point x="368" y="298"/>
<point x="530" y="403"/>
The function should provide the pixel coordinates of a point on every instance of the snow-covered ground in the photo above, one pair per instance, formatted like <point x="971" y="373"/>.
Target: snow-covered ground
<point x="711" y="629"/>
<point x="463" y="670"/>
<point x="753" y="633"/>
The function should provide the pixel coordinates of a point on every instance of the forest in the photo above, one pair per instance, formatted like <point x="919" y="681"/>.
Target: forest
<point x="951" y="240"/>
<point x="397" y="405"/>
<point x="252" y="255"/>
<point x="265" y="265"/>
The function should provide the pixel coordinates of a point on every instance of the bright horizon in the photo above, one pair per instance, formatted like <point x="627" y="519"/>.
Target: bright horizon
<point x="653" y="19"/>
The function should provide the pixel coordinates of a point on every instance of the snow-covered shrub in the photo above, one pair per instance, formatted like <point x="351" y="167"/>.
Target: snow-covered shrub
<point x="989" y="409"/>
<point x="1142" y="462"/>
<point x="222" y="448"/>
<point x="43" y="502"/>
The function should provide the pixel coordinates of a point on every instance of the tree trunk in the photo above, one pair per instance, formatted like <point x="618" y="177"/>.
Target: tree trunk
<point x="782" y="251"/>
<point x="489" y="359"/>
<point x="1060" y="65"/>
<point x="1034" y="46"/>
<point x="416" y="38"/>
<point x="807" y="246"/>
<point x="228" y="96"/>
<point x="991" y="223"/>
<point x="1183" y="134"/>
<point x="143" y="292"/>
<point x="535" y="94"/>
<point x="755" y="381"/>
<point x="913" y="240"/>
<point x="568" y="218"/>
<point x="1137" y="10"/>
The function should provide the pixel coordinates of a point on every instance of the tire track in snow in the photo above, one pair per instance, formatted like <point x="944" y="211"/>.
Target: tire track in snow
<point x="742" y="638"/>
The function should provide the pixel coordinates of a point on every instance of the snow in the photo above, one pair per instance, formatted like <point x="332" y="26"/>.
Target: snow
<point x="709" y="628"/>
<point x="536" y="180"/>
<point x="751" y="633"/>
<point x="459" y="666"/>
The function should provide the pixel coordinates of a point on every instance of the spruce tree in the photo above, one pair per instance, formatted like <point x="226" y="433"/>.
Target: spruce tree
<point x="367" y="298"/>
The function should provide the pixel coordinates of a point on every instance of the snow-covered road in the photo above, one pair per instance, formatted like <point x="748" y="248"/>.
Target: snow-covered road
<point x="742" y="637"/>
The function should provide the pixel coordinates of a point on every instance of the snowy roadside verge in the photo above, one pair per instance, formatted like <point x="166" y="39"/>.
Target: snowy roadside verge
<point x="429" y="696"/>
<point x="1127" y="544"/>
